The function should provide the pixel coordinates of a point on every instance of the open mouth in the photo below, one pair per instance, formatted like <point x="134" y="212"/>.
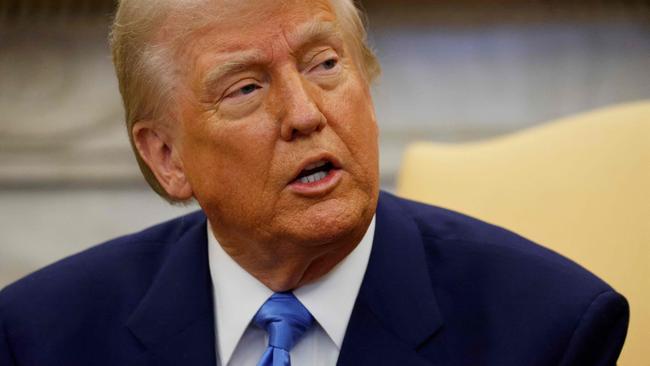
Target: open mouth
<point x="315" y="172"/>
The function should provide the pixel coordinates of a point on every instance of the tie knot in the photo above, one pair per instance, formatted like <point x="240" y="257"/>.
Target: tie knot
<point x="284" y="318"/>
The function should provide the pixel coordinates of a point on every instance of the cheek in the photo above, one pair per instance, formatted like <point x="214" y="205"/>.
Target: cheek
<point x="202" y="169"/>
<point x="228" y="160"/>
<point x="352" y="116"/>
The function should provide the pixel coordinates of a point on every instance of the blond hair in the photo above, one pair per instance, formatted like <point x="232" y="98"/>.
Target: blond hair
<point x="144" y="64"/>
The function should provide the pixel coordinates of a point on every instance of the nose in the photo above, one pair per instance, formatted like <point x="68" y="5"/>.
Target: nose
<point x="300" y="115"/>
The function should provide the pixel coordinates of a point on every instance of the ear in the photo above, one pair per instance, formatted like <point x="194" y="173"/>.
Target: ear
<point x="156" y="148"/>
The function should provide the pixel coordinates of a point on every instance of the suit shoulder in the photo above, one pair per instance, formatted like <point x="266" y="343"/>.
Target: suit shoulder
<point x="494" y="250"/>
<point x="500" y="282"/>
<point x="446" y="224"/>
<point x="119" y="268"/>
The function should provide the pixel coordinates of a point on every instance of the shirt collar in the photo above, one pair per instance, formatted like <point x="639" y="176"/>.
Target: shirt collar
<point x="238" y="295"/>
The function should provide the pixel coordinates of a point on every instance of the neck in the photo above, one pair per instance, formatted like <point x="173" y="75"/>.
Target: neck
<point x="293" y="265"/>
<point x="293" y="273"/>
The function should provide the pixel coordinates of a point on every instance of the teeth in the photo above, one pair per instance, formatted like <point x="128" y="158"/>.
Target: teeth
<point x="315" y="165"/>
<point x="313" y="177"/>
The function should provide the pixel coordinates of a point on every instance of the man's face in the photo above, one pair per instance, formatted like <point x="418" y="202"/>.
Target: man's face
<point x="278" y="137"/>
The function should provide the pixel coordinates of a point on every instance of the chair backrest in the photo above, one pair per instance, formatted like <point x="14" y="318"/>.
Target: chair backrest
<point x="579" y="185"/>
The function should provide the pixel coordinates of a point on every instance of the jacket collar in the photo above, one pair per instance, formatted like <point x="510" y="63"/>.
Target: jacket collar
<point x="175" y="320"/>
<point x="396" y="311"/>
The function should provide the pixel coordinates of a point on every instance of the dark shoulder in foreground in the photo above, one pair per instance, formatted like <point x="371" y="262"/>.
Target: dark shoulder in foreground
<point x="118" y="270"/>
<point x="520" y="295"/>
<point x="457" y="233"/>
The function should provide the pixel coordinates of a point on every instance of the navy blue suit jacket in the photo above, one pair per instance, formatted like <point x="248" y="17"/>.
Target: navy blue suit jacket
<point x="440" y="289"/>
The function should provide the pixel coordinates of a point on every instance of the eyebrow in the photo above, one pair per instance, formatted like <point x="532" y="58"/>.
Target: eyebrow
<point x="309" y="33"/>
<point x="237" y="62"/>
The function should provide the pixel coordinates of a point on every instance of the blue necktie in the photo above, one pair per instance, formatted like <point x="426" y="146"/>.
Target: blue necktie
<point x="285" y="319"/>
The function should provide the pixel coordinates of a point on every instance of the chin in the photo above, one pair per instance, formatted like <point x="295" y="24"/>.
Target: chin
<point x="331" y="221"/>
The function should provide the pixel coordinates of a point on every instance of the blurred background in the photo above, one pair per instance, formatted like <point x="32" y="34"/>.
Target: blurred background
<point x="454" y="70"/>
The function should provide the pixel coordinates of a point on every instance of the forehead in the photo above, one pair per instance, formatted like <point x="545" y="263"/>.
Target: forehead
<point x="228" y="35"/>
<point x="228" y="22"/>
<point x="253" y="11"/>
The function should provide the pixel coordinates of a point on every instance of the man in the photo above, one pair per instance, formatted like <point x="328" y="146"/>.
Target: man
<point x="261" y="112"/>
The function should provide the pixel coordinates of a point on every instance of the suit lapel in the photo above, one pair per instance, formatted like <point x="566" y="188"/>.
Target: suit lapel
<point x="175" y="321"/>
<point x="394" y="318"/>
<point x="396" y="314"/>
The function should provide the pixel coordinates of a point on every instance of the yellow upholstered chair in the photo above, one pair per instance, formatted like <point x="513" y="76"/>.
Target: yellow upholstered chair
<point x="579" y="185"/>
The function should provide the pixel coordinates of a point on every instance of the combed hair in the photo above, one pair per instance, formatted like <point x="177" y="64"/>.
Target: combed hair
<point x="145" y="69"/>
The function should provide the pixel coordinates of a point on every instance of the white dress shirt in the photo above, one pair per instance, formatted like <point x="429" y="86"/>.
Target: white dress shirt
<point x="238" y="295"/>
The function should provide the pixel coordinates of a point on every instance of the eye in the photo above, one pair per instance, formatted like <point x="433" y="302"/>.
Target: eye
<point x="325" y="62"/>
<point x="330" y="64"/>
<point x="243" y="91"/>
<point x="249" y="88"/>
<point x="242" y="97"/>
